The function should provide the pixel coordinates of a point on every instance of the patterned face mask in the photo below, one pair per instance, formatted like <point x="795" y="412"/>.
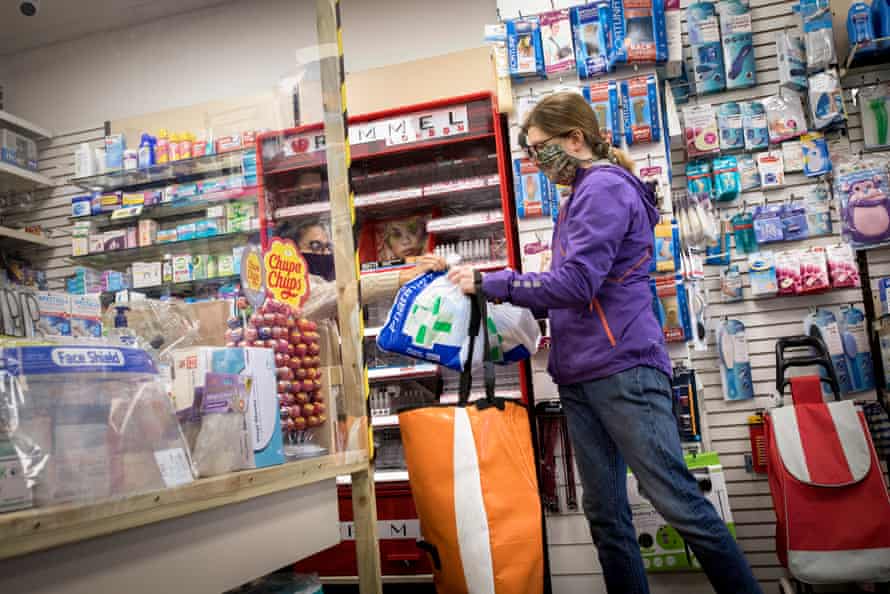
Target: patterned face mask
<point x="559" y="166"/>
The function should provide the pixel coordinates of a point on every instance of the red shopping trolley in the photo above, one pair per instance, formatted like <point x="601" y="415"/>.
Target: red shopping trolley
<point x="828" y="490"/>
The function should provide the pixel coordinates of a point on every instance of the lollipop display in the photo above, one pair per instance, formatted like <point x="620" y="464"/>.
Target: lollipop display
<point x="278" y="326"/>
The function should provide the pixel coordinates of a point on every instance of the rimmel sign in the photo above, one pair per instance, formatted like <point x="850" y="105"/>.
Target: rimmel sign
<point x="286" y="272"/>
<point x="412" y="127"/>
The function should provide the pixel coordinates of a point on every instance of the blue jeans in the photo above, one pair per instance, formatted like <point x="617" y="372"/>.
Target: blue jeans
<point x="627" y="419"/>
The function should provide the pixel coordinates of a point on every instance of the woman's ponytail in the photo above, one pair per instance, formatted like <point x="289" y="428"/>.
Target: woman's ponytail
<point x="604" y="150"/>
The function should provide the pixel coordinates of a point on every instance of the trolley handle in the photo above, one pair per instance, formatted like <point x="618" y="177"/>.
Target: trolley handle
<point x="821" y="359"/>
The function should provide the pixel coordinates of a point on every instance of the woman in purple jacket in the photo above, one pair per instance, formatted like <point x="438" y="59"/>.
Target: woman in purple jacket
<point x="608" y="355"/>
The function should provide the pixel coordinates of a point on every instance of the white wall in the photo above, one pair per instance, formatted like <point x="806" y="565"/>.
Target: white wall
<point x="232" y="50"/>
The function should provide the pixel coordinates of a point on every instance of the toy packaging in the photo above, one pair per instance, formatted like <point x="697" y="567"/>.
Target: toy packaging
<point x="532" y="190"/>
<point x="603" y="98"/>
<point x="738" y="43"/>
<point x="86" y="316"/>
<point x="638" y="31"/>
<point x="729" y="121"/>
<point x="556" y="38"/>
<point x="762" y="274"/>
<point x="735" y="366"/>
<point x="823" y="325"/>
<point x="784" y="116"/>
<point x="727" y="182"/>
<point x="771" y="168"/>
<point x="591" y="29"/>
<point x="641" y="119"/>
<point x="55" y="313"/>
<point x="792" y="59"/>
<point x="857" y="350"/>
<point x="818" y="34"/>
<point x="755" y="125"/>
<point x="814" y="270"/>
<point x="874" y="103"/>
<point x="524" y="48"/>
<point x="792" y="156"/>
<point x="795" y="225"/>
<point x="698" y="178"/>
<point x="707" y="55"/>
<point x="749" y="175"/>
<point x="788" y="272"/>
<point x="826" y="99"/>
<point x="842" y="266"/>
<point x="816" y="160"/>
<point x="702" y="134"/>
<point x="768" y="223"/>
<point x="864" y="202"/>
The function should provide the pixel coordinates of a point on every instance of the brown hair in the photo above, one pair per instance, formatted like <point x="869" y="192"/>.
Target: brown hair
<point x="560" y="114"/>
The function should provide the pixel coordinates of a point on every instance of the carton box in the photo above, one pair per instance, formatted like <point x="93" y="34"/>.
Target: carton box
<point x="55" y="310"/>
<point x="182" y="268"/>
<point x="148" y="232"/>
<point x="86" y="316"/>
<point x="146" y="274"/>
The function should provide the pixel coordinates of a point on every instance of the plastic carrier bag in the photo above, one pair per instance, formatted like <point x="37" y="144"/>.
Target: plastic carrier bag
<point x="430" y="321"/>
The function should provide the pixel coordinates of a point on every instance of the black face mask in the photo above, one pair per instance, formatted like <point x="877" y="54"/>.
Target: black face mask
<point x="320" y="265"/>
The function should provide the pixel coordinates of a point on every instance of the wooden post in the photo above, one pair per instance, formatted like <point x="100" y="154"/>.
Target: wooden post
<point x="333" y="89"/>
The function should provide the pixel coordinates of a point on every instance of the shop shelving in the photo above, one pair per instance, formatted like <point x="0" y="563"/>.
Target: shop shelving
<point x="120" y="259"/>
<point x="386" y="374"/>
<point x="18" y="179"/>
<point x="10" y="234"/>
<point x="184" y="288"/>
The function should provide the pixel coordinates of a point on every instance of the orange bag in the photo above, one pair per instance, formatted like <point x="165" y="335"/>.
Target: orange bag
<point x="472" y="473"/>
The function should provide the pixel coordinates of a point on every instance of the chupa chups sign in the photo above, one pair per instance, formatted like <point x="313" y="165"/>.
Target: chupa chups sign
<point x="413" y="127"/>
<point x="287" y="276"/>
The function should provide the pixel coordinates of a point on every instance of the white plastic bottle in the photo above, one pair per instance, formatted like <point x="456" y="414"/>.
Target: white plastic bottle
<point x="84" y="161"/>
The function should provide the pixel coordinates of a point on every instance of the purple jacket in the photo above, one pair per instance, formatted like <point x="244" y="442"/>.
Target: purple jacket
<point x="597" y="291"/>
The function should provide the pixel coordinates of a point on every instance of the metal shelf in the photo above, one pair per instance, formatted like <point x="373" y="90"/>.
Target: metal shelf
<point x="421" y="370"/>
<point x="23" y="127"/>
<point x="187" y="287"/>
<point x="18" y="179"/>
<point x="120" y="259"/>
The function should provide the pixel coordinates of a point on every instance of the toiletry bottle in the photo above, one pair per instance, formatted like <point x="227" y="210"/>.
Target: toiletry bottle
<point x="185" y="145"/>
<point x="199" y="145"/>
<point x="162" y="150"/>
<point x="121" y="331"/>
<point x="146" y="154"/>
<point x="174" y="147"/>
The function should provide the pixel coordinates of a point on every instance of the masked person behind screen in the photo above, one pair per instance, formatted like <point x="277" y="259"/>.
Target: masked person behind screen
<point x="608" y="355"/>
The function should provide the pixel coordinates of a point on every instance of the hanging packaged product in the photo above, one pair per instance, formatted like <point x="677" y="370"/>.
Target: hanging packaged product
<point x="697" y="296"/>
<point x="738" y="43"/>
<point x="768" y="223"/>
<point x="874" y="105"/>
<point x="702" y="208"/>
<point x="818" y="34"/>
<point x="792" y="59"/>
<point x="707" y="55"/>
<point x="698" y="178"/>
<point x="860" y="29"/>
<point x="755" y="126"/>
<point x="762" y="274"/>
<point x="814" y="270"/>
<point x="788" y="272"/>
<point x="792" y="156"/>
<point x="784" y="116"/>
<point x="556" y="40"/>
<point x="667" y="245"/>
<point x="823" y="324"/>
<point x="729" y="122"/>
<point x="532" y="190"/>
<point x="603" y="98"/>
<point x="702" y="134"/>
<point x="735" y="367"/>
<point x="727" y="182"/>
<point x="749" y="175"/>
<point x="880" y="18"/>
<point x="864" y="201"/>
<point x="591" y="26"/>
<point x="680" y="86"/>
<point x="771" y="168"/>
<point x="795" y="225"/>
<point x="819" y="211"/>
<point x="671" y="308"/>
<point x="638" y="31"/>
<point x="720" y="254"/>
<point x="731" y="284"/>
<point x="826" y="100"/>
<point x="857" y="350"/>
<point x="673" y="25"/>
<point x="816" y="160"/>
<point x="524" y="48"/>
<point x="842" y="266"/>
<point x="743" y="233"/>
<point x="641" y="121"/>
<point x="496" y="38"/>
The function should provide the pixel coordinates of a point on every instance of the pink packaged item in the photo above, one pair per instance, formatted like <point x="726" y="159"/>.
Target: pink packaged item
<point x="788" y="277"/>
<point x="842" y="266"/>
<point x="814" y="270"/>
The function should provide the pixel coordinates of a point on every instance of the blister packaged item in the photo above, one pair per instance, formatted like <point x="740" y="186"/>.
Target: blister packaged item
<point x="743" y="233"/>
<point x="788" y="272"/>
<point x="524" y="48"/>
<point x="819" y="211"/>
<point x="223" y="443"/>
<point x="556" y="40"/>
<point x="792" y="59"/>
<point x="680" y="86"/>
<point x="749" y="175"/>
<point x="638" y="31"/>
<point x="735" y="366"/>
<point x="771" y="168"/>
<point x="731" y="284"/>
<point x="768" y="223"/>
<point x="784" y="116"/>
<point x="738" y="43"/>
<point x="729" y="122"/>
<point x="704" y="39"/>
<point x="860" y="28"/>
<point x="666" y="257"/>
<point x="861" y="189"/>
<point x="795" y="225"/>
<point x="673" y="24"/>
<point x="823" y="325"/>
<point x="818" y="34"/>
<point x="816" y="160"/>
<point x="792" y="156"/>
<point x="826" y="100"/>
<point x="762" y="274"/>
<point x="721" y="253"/>
<point x="603" y="98"/>
<point x="89" y="422"/>
<point x="591" y="29"/>
<point x="874" y="105"/>
<point x="857" y="349"/>
<point x="814" y="270"/>
<point x="698" y="178"/>
<point x="755" y="125"/>
<point x="532" y="190"/>
<point x="702" y="134"/>
<point x="842" y="266"/>
<point x="640" y="98"/>
<point x="727" y="182"/>
<point x="430" y="321"/>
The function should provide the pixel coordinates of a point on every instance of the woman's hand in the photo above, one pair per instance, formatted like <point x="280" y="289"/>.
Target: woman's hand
<point x="422" y="265"/>
<point x="464" y="277"/>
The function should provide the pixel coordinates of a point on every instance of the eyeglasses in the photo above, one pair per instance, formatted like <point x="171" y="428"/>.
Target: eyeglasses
<point x="319" y="247"/>
<point x="534" y="149"/>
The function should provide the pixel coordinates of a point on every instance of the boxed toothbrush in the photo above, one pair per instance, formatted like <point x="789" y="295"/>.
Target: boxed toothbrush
<point x="591" y="29"/>
<point x="639" y="31"/>
<point x="556" y="38"/>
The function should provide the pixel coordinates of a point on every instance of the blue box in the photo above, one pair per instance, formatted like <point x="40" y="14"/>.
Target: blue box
<point x="186" y="231"/>
<point x="81" y="206"/>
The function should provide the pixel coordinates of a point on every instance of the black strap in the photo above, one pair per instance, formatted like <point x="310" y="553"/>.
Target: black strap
<point x="430" y="549"/>
<point x="478" y="321"/>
